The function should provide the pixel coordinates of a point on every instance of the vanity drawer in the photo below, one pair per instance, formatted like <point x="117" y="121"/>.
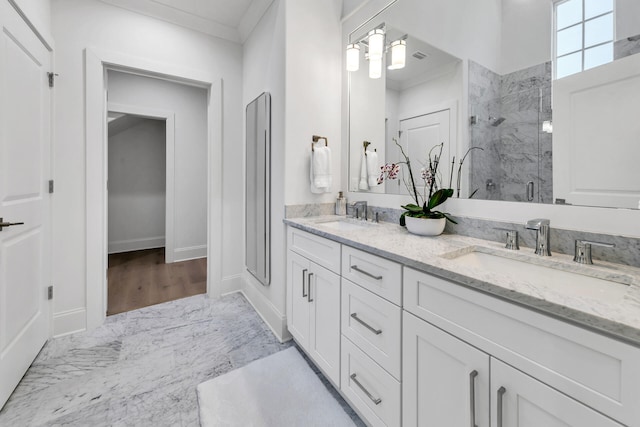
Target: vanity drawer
<point x="322" y="251"/>
<point x="370" y="389"/>
<point x="373" y="324"/>
<point x="598" y="371"/>
<point x="376" y="274"/>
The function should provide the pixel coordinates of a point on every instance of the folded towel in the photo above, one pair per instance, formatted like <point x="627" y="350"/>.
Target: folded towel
<point x="363" y="185"/>
<point x="373" y="168"/>
<point x="320" y="170"/>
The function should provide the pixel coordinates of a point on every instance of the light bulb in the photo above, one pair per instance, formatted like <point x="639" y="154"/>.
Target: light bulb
<point x="375" y="68"/>
<point x="353" y="57"/>
<point x="398" y="54"/>
<point x="376" y="43"/>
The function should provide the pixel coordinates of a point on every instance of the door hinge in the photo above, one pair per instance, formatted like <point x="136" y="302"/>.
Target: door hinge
<point x="50" y="186"/>
<point x="51" y="78"/>
<point x="50" y="292"/>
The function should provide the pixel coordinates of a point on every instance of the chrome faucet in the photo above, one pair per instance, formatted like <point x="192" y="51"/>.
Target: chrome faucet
<point x="360" y="205"/>
<point x="583" y="250"/>
<point x="543" y="234"/>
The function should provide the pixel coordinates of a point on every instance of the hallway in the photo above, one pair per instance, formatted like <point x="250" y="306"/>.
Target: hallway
<point x="141" y="278"/>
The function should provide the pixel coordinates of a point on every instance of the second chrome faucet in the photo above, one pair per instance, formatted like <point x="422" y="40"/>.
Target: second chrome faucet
<point x="543" y="234"/>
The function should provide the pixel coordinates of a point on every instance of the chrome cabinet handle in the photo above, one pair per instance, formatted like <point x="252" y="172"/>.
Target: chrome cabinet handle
<point x="375" y="400"/>
<point x="309" y="299"/>
<point x="365" y="324"/>
<point x="501" y="392"/>
<point x="304" y="273"/>
<point x="472" y="395"/>
<point x="366" y="273"/>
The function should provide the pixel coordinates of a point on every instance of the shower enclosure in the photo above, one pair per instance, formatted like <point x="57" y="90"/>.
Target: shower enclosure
<point x="507" y="117"/>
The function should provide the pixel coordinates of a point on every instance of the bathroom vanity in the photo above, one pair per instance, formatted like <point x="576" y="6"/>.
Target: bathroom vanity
<point x="432" y="331"/>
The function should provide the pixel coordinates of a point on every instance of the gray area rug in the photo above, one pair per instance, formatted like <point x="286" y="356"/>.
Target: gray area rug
<point x="278" y="390"/>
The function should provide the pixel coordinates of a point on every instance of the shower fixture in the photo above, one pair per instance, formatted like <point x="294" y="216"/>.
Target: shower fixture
<point x="496" y="121"/>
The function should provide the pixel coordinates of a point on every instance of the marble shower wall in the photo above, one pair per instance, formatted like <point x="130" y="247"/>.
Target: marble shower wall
<point x="516" y="151"/>
<point x="626" y="47"/>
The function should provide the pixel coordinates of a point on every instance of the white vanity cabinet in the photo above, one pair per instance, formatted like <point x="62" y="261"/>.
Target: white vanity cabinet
<point x="445" y="381"/>
<point x="550" y="369"/>
<point x="313" y="300"/>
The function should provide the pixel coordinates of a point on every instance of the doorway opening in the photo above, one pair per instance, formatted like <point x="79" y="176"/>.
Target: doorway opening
<point x="141" y="271"/>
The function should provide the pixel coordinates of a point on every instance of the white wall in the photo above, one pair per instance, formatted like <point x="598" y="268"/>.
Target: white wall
<point x="137" y="181"/>
<point x="76" y="25"/>
<point x="264" y="71"/>
<point x="313" y="98"/>
<point x="189" y="105"/>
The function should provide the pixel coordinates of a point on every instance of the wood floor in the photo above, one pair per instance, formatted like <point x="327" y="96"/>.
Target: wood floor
<point x="141" y="278"/>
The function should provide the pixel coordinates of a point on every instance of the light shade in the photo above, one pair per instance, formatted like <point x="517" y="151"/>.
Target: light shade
<point x="376" y="43"/>
<point x="398" y="54"/>
<point x="353" y="57"/>
<point x="375" y="68"/>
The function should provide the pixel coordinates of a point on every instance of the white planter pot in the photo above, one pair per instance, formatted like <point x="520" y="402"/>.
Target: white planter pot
<point x="425" y="226"/>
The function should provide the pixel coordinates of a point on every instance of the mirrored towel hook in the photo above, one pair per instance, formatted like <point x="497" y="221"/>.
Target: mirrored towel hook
<point x="316" y="138"/>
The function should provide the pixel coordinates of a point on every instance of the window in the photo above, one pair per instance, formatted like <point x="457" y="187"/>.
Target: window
<point x="584" y="35"/>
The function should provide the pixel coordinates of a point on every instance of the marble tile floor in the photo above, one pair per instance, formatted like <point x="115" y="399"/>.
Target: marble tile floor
<point x="141" y="368"/>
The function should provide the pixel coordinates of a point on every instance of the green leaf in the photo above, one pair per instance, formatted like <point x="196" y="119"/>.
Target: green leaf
<point x="439" y="197"/>
<point x="402" y="221"/>
<point x="412" y="208"/>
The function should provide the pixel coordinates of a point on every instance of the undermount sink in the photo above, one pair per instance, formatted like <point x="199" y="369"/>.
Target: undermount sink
<point x="345" y="224"/>
<point x="547" y="276"/>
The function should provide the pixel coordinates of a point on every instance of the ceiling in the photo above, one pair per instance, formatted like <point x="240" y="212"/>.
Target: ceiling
<point x="228" y="19"/>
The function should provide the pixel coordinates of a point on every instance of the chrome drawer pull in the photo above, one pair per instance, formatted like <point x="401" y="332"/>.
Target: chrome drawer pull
<point x="472" y="391"/>
<point x="309" y="299"/>
<point x="365" y="324"/>
<point x="304" y="272"/>
<point x="375" y="400"/>
<point x="501" y="392"/>
<point x="366" y="273"/>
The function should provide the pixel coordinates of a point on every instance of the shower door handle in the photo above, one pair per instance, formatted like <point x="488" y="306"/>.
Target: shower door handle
<point x="530" y="191"/>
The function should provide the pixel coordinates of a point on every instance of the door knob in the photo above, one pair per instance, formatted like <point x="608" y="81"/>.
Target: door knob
<point x="8" y="224"/>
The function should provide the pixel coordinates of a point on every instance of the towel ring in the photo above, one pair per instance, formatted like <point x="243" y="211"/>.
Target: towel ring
<point x="316" y="138"/>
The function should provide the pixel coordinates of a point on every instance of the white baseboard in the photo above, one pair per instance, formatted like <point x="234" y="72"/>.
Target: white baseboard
<point x="276" y="321"/>
<point x="69" y="322"/>
<point x="232" y="284"/>
<point x="193" y="252"/>
<point x="136" y="244"/>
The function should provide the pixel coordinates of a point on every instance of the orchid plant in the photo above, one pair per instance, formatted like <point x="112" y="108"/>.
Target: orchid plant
<point x="424" y="205"/>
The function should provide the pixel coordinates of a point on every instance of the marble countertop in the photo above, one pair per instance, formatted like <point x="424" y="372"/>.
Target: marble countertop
<point x="617" y="317"/>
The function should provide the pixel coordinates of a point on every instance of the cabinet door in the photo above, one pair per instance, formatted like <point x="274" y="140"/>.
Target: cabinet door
<point x="445" y="381"/>
<point x="324" y="342"/>
<point x="519" y="400"/>
<point x="298" y="269"/>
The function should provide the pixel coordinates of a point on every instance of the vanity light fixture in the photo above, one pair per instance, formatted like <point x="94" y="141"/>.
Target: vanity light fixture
<point x="353" y="57"/>
<point x="375" y="68"/>
<point x="376" y="43"/>
<point x="398" y="54"/>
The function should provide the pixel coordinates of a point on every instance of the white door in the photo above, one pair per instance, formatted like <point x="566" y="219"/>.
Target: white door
<point x="445" y="381"/>
<point x="297" y="297"/>
<point x="24" y="172"/>
<point x="521" y="401"/>
<point x="418" y="136"/>
<point x="324" y="336"/>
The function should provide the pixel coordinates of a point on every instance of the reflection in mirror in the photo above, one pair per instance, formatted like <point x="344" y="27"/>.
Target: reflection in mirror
<point x="501" y="80"/>
<point x="507" y="114"/>
<point x="393" y="107"/>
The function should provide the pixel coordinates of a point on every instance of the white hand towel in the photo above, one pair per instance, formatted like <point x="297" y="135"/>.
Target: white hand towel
<point x="363" y="185"/>
<point x="373" y="168"/>
<point x="320" y="170"/>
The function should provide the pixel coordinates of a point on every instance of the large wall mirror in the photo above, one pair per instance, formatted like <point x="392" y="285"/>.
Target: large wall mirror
<point x="482" y="74"/>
